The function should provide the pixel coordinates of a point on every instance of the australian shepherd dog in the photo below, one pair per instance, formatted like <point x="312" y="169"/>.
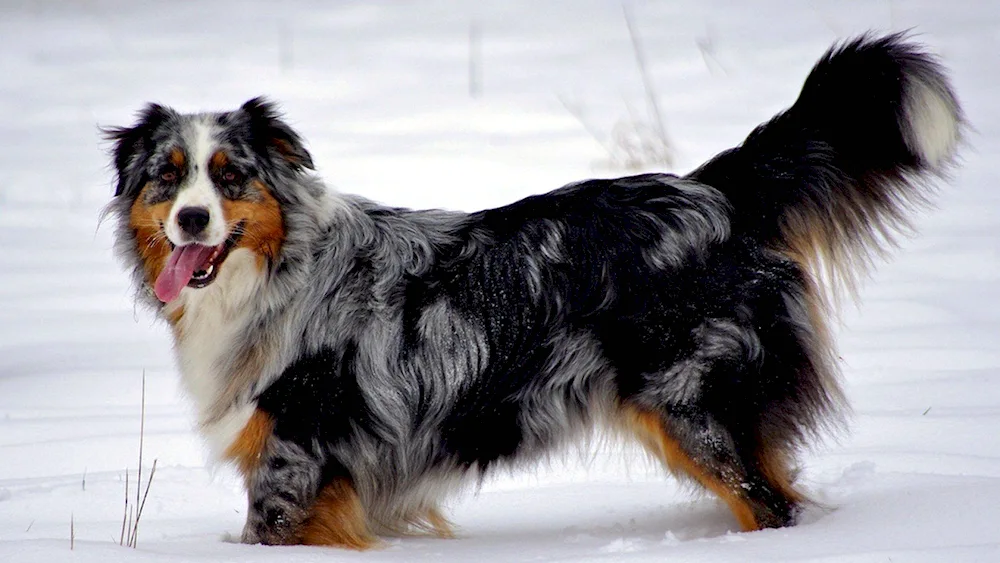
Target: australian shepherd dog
<point x="357" y="362"/>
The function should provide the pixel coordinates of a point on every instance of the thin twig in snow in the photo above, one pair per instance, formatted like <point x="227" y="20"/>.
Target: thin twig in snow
<point x="647" y="83"/>
<point x="138" y="513"/>
<point x="475" y="60"/>
<point x="577" y="113"/>
<point x="142" y="434"/>
<point x="121" y="540"/>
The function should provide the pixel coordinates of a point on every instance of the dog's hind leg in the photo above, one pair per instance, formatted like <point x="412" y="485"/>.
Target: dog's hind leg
<point x="755" y="483"/>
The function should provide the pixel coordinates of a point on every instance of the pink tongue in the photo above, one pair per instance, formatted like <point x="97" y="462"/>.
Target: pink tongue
<point x="180" y="266"/>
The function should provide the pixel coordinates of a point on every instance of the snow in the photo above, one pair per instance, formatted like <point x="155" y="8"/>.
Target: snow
<point x="380" y="91"/>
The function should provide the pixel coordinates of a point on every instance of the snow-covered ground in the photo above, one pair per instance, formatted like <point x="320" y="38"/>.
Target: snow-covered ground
<point x="381" y="92"/>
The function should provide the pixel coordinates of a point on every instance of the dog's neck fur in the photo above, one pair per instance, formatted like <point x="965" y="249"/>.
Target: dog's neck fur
<point x="221" y="331"/>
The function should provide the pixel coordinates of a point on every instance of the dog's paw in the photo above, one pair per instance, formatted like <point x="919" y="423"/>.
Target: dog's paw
<point x="273" y="524"/>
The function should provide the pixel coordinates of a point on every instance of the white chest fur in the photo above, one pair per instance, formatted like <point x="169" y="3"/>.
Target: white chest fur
<point x="213" y="320"/>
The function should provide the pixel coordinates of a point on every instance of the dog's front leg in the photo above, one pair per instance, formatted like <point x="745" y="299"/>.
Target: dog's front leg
<point x="281" y="493"/>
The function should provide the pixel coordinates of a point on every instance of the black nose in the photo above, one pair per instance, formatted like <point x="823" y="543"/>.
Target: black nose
<point x="193" y="220"/>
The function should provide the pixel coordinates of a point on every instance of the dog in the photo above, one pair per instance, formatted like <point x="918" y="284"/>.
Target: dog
<point x="358" y="362"/>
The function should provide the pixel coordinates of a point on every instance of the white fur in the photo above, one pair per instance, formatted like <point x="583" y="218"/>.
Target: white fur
<point x="933" y="124"/>
<point x="213" y="316"/>
<point x="533" y="272"/>
<point x="199" y="191"/>
<point x="551" y="250"/>
<point x="552" y="247"/>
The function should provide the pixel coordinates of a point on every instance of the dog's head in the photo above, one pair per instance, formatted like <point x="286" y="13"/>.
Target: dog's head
<point x="192" y="189"/>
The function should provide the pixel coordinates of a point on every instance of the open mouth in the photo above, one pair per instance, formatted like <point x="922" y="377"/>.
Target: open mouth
<point x="205" y="274"/>
<point x="193" y="265"/>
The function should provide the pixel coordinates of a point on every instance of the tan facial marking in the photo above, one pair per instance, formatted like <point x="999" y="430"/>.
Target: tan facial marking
<point x="177" y="157"/>
<point x="264" y="227"/>
<point x="218" y="161"/>
<point x="147" y="221"/>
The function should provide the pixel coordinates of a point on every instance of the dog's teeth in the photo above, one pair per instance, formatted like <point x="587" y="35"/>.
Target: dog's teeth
<point x="202" y="274"/>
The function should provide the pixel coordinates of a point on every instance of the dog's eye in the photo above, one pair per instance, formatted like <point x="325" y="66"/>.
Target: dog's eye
<point x="231" y="176"/>
<point x="168" y="176"/>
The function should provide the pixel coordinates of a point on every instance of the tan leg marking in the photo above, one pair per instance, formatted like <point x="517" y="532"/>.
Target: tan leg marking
<point x="337" y="518"/>
<point x="247" y="449"/>
<point x="652" y="433"/>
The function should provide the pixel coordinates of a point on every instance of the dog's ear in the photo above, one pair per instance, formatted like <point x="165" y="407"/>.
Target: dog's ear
<point x="276" y="136"/>
<point x="132" y="146"/>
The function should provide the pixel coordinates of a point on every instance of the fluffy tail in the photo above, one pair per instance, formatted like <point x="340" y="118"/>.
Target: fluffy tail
<point x="831" y="180"/>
